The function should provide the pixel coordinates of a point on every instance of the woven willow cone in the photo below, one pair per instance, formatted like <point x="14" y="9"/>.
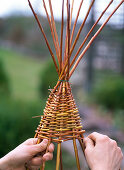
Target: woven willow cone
<point x="61" y="120"/>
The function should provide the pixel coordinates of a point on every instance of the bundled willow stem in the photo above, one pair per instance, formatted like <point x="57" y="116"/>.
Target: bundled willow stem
<point x="61" y="69"/>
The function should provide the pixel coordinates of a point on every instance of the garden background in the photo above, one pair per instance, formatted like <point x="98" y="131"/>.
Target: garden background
<point x="27" y="72"/>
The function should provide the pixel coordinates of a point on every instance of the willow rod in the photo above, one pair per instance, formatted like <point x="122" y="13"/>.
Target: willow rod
<point x="65" y="51"/>
<point x="93" y="38"/>
<point x="47" y="43"/>
<point x="51" y="28"/>
<point x="76" y="154"/>
<point x="61" y="38"/>
<point x="68" y="33"/>
<point x="66" y="44"/>
<point x="83" y="150"/>
<point x="89" y="33"/>
<point x="58" y="156"/>
<point x="85" y="40"/>
<point x="58" y="83"/>
<point x="66" y="62"/>
<point x="81" y="27"/>
<point x="43" y="164"/>
<point x="54" y="26"/>
<point x="61" y="165"/>
<point x="71" y="12"/>
<point x="72" y="34"/>
<point x="66" y="39"/>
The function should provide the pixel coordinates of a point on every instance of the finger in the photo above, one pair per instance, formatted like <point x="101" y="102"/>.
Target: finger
<point x="34" y="167"/>
<point x="40" y="147"/>
<point x="113" y="143"/>
<point x="97" y="136"/>
<point x="31" y="141"/>
<point x="120" y="153"/>
<point x="88" y="143"/>
<point x="36" y="161"/>
<point x="51" y="147"/>
<point x="48" y="156"/>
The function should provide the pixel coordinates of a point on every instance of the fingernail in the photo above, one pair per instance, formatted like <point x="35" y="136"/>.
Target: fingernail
<point x="46" y="158"/>
<point x="45" y="141"/>
<point x="51" y="147"/>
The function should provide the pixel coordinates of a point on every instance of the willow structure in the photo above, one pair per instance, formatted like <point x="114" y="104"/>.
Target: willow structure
<point x="61" y="120"/>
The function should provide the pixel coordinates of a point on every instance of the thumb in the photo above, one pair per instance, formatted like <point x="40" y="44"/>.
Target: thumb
<point x="37" y="148"/>
<point x="88" y="143"/>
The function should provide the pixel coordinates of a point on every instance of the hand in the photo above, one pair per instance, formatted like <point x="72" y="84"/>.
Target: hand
<point x="102" y="153"/>
<point x="29" y="153"/>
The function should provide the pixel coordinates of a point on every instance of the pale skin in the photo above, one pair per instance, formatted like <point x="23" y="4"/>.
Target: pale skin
<point x="102" y="153"/>
<point x="30" y="153"/>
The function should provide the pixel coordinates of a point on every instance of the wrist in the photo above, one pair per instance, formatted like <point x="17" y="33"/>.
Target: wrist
<point x="4" y="164"/>
<point x="7" y="164"/>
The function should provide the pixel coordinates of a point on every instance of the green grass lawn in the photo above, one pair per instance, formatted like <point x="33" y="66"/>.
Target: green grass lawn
<point x="23" y="72"/>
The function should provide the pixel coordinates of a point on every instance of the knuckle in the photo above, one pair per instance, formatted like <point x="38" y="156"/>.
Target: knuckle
<point x="114" y="143"/>
<point x="119" y="149"/>
<point x="94" y="133"/>
<point x="104" y="138"/>
<point x="40" y="148"/>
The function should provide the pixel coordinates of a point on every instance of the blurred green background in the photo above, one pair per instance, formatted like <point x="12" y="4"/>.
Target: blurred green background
<point x="27" y="72"/>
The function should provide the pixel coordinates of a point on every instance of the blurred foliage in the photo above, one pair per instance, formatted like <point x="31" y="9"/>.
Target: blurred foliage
<point x="16" y="123"/>
<point x="117" y="34"/>
<point x="48" y="78"/>
<point x="4" y="81"/>
<point x="16" y="111"/>
<point x="19" y="31"/>
<point x="23" y="72"/>
<point x="119" y="118"/>
<point x="110" y="93"/>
